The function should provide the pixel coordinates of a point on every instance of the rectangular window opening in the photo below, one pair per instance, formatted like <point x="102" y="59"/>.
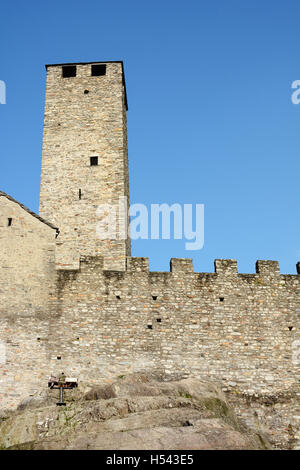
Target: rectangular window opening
<point x="98" y="70"/>
<point x="69" y="71"/>
<point x="93" y="161"/>
<point x="79" y="194"/>
<point x="9" y="222"/>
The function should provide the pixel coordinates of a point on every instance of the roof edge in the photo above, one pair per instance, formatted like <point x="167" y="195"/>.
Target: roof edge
<point x="86" y="63"/>
<point x="3" y="194"/>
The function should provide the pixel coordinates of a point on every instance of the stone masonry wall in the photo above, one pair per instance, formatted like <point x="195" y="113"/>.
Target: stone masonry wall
<point x="85" y="116"/>
<point x="27" y="279"/>
<point x="27" y="266"/>
<point x="237" y="329"/>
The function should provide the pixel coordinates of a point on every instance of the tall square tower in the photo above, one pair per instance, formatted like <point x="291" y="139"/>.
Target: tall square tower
<point x="85" y="158"/>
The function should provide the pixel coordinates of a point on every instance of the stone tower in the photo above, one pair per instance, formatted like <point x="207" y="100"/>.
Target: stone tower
<point x="85" y="159"/>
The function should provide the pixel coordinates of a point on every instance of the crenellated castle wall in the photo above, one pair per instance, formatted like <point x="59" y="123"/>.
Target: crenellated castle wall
<point x="238" y="329"/>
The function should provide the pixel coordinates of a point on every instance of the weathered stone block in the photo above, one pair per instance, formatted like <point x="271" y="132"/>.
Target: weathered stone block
<point x="181" y="265"/>
<point x="226" y="266"/>
<point x="267" y="267"/>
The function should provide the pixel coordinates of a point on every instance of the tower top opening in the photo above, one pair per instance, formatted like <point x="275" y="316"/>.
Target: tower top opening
<point x="95" y="63"/>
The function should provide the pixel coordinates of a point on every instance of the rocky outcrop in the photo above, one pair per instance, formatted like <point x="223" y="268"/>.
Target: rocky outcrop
<point x="134" y="412"/>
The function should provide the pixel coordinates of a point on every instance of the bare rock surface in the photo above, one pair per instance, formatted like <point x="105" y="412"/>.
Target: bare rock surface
<point x="134" y="412"/>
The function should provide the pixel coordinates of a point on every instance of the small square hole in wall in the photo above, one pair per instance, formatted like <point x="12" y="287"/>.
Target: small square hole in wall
<point x="9" y="222"/>
<point x="69" y="71"/>
<point x="291" y="328"/>
<point x="158" y="320"/>
<point x="98" y="69"/>
<point x="86" y="92"/>
<point x="118" y="297"/>
<point x="154" y="297"/>
<point x="93" y="161"/>
<point x="221" y="299"/>
<point x="38" y="339"/>
<point x="58" y="358"/>
<point x="149" y="327"/>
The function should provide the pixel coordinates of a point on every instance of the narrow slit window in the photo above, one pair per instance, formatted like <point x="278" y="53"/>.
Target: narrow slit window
<point x="79" y="194"/>
<point x="9" y="222"/>
<point x="98" y="70"/>
<point x="93" y="161"/>
<point x="69" y="71"/>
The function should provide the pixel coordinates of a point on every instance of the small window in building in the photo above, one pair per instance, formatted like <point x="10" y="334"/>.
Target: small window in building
<point x="79" y="194"/>
<point x="98" y="70"/>
<point x="94" y="161"/>
<point x="221" y="299"/>
<point x="9" y="222"/>
<point x="69" y="71"/>
<point x="149" y="327"/>
<point x="118" y="297"/>
<point x="158" y="320"/>
<point x="58" y="358"/>
<point x="154" y="297"/>
<point x="86" y="92"/>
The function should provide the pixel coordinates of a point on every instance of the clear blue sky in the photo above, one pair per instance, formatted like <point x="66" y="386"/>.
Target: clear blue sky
<point x="210" y="115"/>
